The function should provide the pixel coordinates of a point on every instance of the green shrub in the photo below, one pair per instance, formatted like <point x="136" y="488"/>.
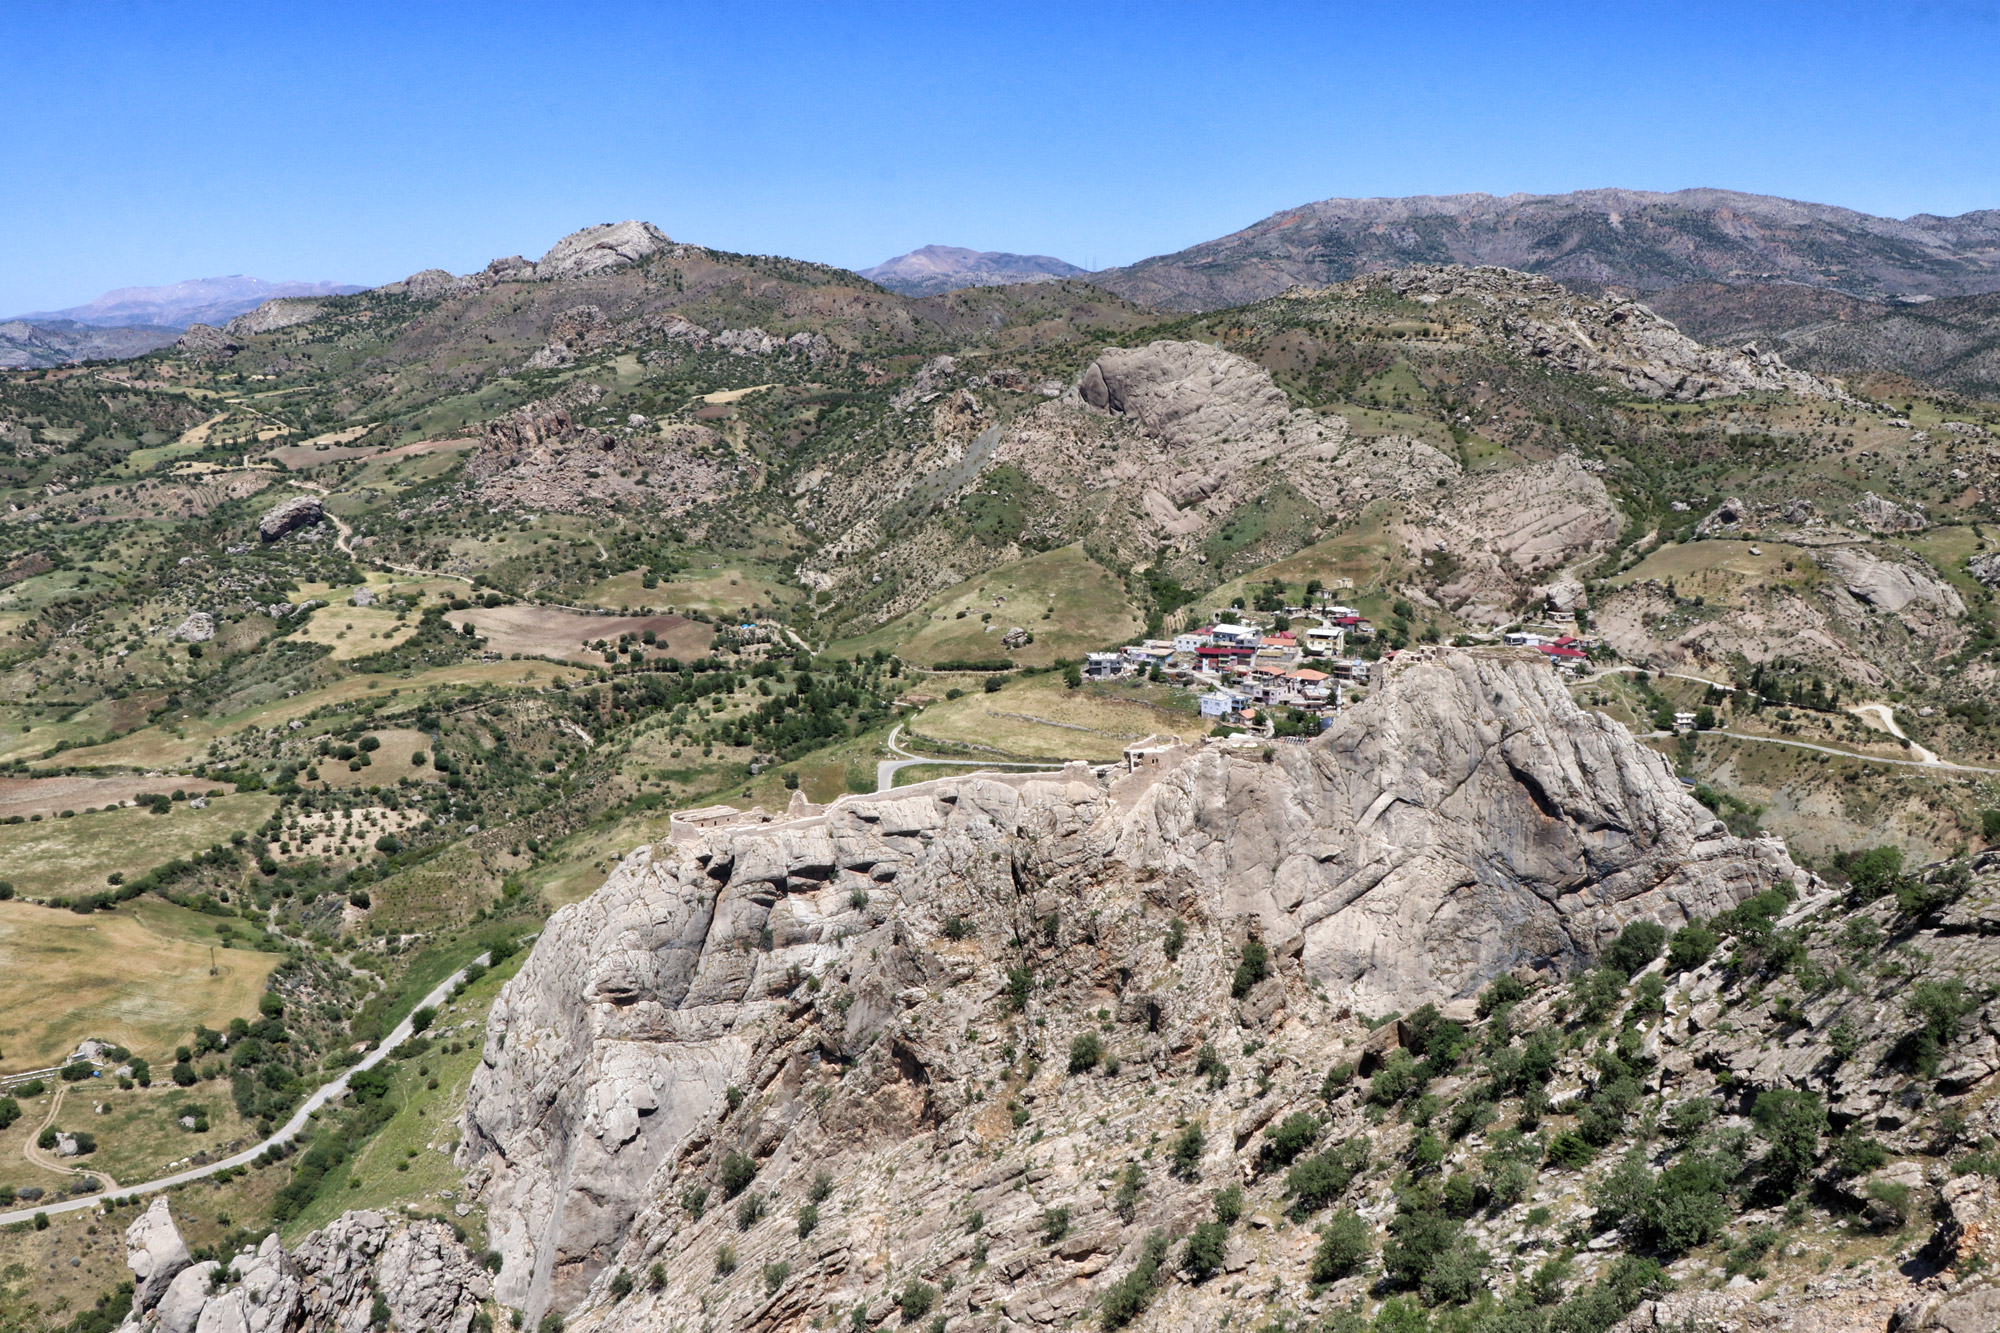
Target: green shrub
<point x="1207" y="1246"/>
<point x="1229" y="1205"/>
<point x="737" y="1173"/>
<point x="1320" y="1179"/>
<point x="1597" y="993"/>
<point x="1020" y="986"/>
<point x="1344" y="1245"/>
<point x="1129" y="1295"/>
<point x="1858" y="1153"/>
<point x="1208" y="1065"/>
<point x="1874" y="872"/>
<point x="1791" y="1120"/>
<point x="1570" y="1149"/>
<point x="1256" y="966"/>
<point x="1292" y="1136"/>
<point x="749" y="1211"/>
<point x="1636" y="946"/>
<point x="1190" y="1145"/>
<point x="695" y="1199"/>
<point x="1085" y="1052"/>
<point x="1395" y="1080"/>
<point x="1055" y="1223"/>
<point x="1504" y="990"/>
<point x="1940" y="1006"/>
<point x="917" y="1300"/>
<point x="808" y="1219"/>
<point x="1176" y="938"/>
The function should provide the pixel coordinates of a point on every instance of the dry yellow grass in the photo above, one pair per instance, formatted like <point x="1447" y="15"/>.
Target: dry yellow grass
<point x="1723" y="569"/>
<point x="385" y="765"/>
<point x="1069" y="602"/>
<point x="1095" y="722"/>
<point x="357" y="631"/>
<point x="717" y="590"/>
<point x="156" y="747"/>
<point x="137" y="976"/>
<point x="71" y="856"/>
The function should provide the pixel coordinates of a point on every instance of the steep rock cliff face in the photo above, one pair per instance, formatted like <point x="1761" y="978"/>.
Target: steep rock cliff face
<point x="811" y="992"/>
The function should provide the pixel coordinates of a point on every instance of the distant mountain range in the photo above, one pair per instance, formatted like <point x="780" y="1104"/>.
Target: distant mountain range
<point x="58" y="342"/>
<point x="943" y="268"/>
<point x="1632" y="240"/>
<point x="198" y="300"/>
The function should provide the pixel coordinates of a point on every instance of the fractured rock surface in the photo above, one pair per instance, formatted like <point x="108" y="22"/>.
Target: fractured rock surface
<point x="1466" y="820"/>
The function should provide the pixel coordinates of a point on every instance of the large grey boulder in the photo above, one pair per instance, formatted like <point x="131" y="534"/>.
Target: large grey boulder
<point x="298" y="512"/>
<point x="1890" y="585"/>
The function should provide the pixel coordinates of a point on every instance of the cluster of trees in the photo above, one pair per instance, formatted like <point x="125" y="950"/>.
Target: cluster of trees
<point x="265" y="1077"/>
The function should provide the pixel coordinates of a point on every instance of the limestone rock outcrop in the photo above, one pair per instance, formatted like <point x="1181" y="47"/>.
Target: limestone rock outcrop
<point x="1985" y="568"/>
<point x="542" y="457"/>
<point x="1467" y="819"/>
<point x="282" y="313"/>
<point x="205" y="340"/>
<point x="1609" y="337"/>
<point x="300" y="511"/>
<point x="155" y="1253"/>
<point x="1890" y="585"/>
<point x="607" y="245"/>
<point x="329" y="1284"/>
<point x="1877" y="514"/>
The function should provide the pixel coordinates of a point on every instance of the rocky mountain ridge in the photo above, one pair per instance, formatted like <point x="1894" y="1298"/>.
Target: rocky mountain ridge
<point x="28" y="343"/>
<point x="1635" y="240"/>
<point x="793" y="991"/>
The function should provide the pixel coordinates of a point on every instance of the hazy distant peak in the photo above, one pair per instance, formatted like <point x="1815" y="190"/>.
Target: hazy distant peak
<point x="942" y="268"/>
<point x="195" y="300"/>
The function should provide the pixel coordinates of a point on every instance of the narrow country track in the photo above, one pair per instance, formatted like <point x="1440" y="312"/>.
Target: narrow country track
<point x="285" y="1134"/>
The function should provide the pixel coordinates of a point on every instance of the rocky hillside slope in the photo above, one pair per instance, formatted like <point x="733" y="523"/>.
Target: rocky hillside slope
<point x="883" y="994"/>
<point x="1635" y="240"/>
<point x="59" y="342"/>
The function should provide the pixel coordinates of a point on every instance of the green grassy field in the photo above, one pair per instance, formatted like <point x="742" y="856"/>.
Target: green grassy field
<point x="138" y="977"/>
<point x="1069" y="602"/>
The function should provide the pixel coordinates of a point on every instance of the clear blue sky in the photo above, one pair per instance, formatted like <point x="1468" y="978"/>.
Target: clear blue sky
<point x="357" y="141"/>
